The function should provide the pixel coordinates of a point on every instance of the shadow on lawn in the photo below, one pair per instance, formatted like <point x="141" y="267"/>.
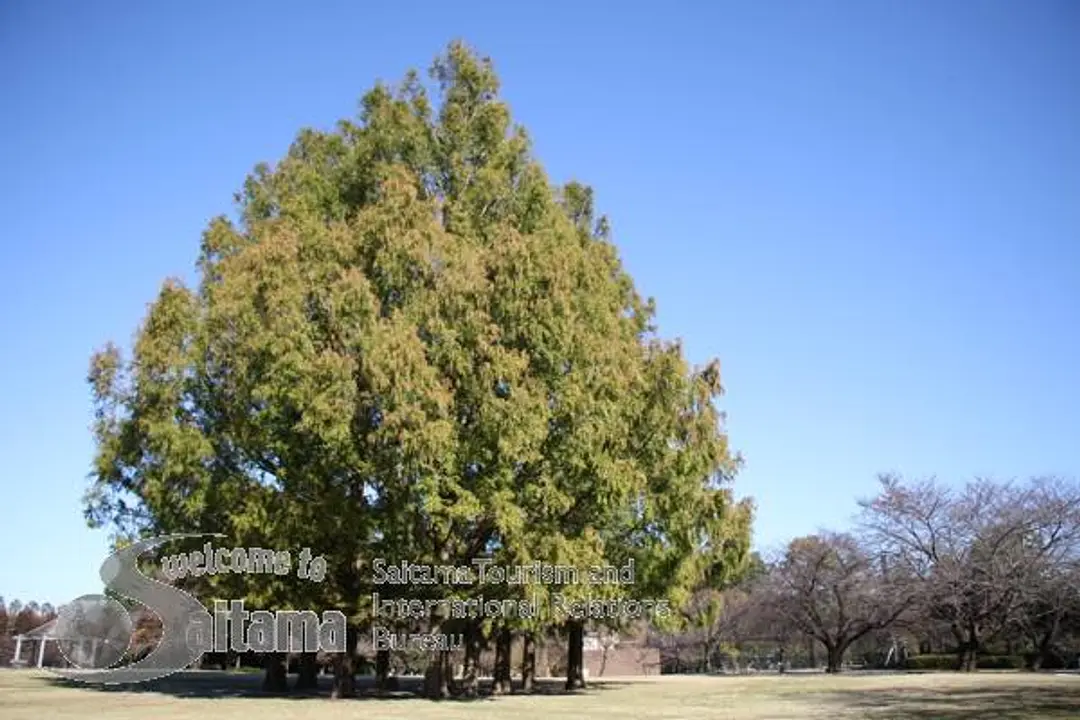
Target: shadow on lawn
<point x="210" y="684"/>
<point x="1000" y="702"/>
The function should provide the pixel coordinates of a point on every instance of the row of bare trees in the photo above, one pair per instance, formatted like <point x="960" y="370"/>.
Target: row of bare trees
<point x="15" y="617"/>
<point x="987" y="566"/>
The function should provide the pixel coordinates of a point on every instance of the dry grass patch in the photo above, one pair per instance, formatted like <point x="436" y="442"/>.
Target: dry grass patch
<point x="1001" y="696"/>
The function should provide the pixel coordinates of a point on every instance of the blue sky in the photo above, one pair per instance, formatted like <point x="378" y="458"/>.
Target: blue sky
<point x="869" y="211"/>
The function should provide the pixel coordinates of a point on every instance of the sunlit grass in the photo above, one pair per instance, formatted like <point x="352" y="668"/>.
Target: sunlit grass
<point x="1002" y="696"/>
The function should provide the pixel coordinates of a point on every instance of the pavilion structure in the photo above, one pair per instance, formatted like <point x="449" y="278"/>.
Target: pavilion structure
<point x="85" y="652"/>
<point x="38" y="637"/>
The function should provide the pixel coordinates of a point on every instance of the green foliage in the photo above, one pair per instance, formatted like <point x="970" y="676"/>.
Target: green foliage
<point x="930" y="662"/>
<point x="413" y="346"/>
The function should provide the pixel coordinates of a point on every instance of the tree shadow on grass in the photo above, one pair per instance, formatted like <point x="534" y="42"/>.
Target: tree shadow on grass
<point x="207" y="684"/>
<point x="999" y="702"/>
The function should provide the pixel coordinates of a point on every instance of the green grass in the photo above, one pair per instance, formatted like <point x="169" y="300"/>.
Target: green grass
<point x="945" y="696"/>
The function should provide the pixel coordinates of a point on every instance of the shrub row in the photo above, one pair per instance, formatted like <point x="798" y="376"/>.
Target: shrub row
<point x="949" y="662"/>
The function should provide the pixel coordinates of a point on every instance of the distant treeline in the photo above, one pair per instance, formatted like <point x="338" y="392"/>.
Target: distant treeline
<point x="932" y="576"/>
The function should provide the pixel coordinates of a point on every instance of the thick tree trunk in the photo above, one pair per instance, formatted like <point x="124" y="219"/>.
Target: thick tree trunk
<point x="382" y="670"/>
<point x="1044" y="647"/>
<point x="471" y="670"/>
<point x="345" y="667"/>
<point x="503" y="643"/>
<point x="967" y="646"/>
<point x="439" y="673"/>
<point x="276" y="679"/>
<point x="308" y="675"/>
<point x="961" y="645"/>
<point x="528" y="662"/>
<point x="834" y="659"/>
<point x="437" y="677"/>
<point x="575" y="655"/>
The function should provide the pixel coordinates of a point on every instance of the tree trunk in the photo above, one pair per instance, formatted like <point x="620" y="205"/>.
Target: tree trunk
<point x="834" y="660"/>
<point x="528" y="662"/>
<point x="439" y="673"/>
<point x="345" y="666"/>
<point x="472" y="659"/>
<point x="276" y="679"/>
<point x="972" y="659"/>
<point x="382" y="670"/>
<point x="967" y="644"/>
<point x="575" y="655"/>
<point x="437" y="677"/>
<point x="968" y="656"/>
<point x="1043" y="649"/>
<point x="961" y="645"/>
<point x="446" y="674"/>
<point x="308" y="676"/>
<point x="972" y="650"/>
<point x="503" y="642"/>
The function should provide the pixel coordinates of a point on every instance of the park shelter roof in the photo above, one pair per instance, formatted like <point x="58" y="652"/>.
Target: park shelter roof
<point x="45" y="630"/>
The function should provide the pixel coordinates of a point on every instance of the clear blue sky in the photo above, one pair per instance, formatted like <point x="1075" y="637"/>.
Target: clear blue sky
<point x="869" y="211"/>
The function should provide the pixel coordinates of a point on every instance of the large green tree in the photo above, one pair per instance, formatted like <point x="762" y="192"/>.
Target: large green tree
<point x="412" y="345"/>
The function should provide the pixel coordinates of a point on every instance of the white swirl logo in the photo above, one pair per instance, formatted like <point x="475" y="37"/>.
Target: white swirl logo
<point x="95" y="631"/>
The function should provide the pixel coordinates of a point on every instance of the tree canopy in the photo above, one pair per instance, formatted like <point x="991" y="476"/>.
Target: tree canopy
<point x="411" y="344"/>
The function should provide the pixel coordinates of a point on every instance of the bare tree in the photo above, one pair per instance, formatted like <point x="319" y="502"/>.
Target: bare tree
<point x="975" y="553"/>
<point x="829" y="588"/>
<point x="1049" y="598"/>
<point x="1049" y="603"/>
<point x="716" y="619"/>
<point x="609" y="640"/>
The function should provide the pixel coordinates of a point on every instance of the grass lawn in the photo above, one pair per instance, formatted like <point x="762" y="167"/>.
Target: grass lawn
<point x="1001" y="696"/>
